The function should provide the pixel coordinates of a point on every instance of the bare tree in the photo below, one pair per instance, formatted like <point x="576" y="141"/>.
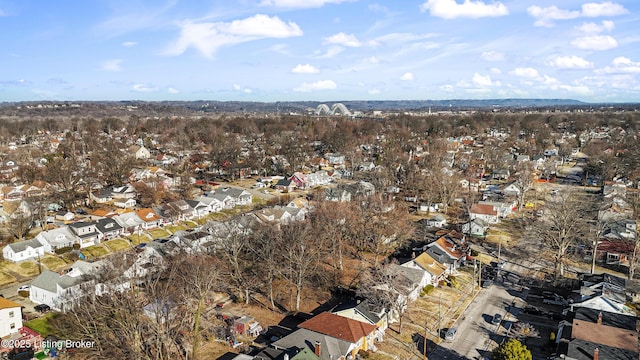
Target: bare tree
<point x="563" y="224"/>
<point x="524" y="181"/>
<point x="199" y="275"/>
<point x="301" y="256"/>
<point x="20" y="222"/>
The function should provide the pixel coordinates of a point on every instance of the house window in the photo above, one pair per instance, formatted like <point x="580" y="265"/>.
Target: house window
<point x="11" y="314"/>
<point x="12" y="326"/>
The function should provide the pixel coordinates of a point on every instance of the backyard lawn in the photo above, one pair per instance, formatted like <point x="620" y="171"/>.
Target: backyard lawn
<point x="159" y="233"/>
<point x="135" y="239"/>
<point x="41" y="324"/>
<point x="117" y="245"/>
<point x="53" y="263"/>
<point x="174" y="228"/>
<point x="24" y="268"/>
<point x="6" y="278"/>
<point x="94" y="251"/>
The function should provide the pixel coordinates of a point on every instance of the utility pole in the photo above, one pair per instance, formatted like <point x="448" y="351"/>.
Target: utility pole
<point x="593" y="257"/>
<point x="424" y="346"/>
<point x="499" y="248"/>
<point x="439" y="311"/>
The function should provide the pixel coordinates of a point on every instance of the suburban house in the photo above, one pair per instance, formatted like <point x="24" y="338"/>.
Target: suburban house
<point x="101" y="196"/>
<point x="285" y="185"/>
<point x="125" y="203"/>
<point x="240" y="196"/>
<point x="60" y="290"/>
<point x="150" y="218"/>
<point x="10" y="317"/>
<point x="337" y="194"/>
<point x="123" y="192"/>
<point x="23" y="250"/>
<point x="475" y="227"/>
<point x="178" y="210"/>
<point x="211" y="204"/>
<point x="130" y="222"/>
<point x="487" y="213"/>
<point x="193" y="241"/>
<point x="361" y="310"/>
<point x="448" y="252"/>
<point x="436" y="221"/>
<point x="55" y="239"/>
<point x="108" y="228"/>
<point x="86" y="233"/>
<point x="405" y="286"/>
<point x="434" y="269"/>
<point x="139" y="152"/>
<point x="504" y="208"/>
<point x="594" y="334"/>
<point x="330" y="337"/>
<point x="602" y="292"/>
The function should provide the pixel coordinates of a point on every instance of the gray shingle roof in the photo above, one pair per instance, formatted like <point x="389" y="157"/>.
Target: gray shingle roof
<point x="22" y="245"/>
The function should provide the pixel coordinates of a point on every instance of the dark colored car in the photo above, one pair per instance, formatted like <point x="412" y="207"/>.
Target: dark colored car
<point x="497" y="319"/>
<point x="42" y="308"/>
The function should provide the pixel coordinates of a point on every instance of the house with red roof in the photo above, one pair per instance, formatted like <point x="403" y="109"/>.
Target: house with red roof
<point x="485" y="212"/>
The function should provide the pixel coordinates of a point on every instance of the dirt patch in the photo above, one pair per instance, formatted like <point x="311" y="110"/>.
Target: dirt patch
<point x="6" y="278"/>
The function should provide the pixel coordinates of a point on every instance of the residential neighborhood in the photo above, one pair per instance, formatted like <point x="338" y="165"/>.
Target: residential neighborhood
<point x="250" y="238"/>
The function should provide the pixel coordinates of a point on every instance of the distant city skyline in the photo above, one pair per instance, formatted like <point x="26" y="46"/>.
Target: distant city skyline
<point x="319" y="50"/>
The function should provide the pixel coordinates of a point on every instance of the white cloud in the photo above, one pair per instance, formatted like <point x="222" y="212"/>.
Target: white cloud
<point x="570" y="62"/>
<point x="450" y="9"/>
<point x="607" y="8"/>
<point x="492" y="56"/>
<point x="593" y="28"/>
<point x="595" y="42"/>
<point x="331" y="52"/>
<point x="209" y="37"/>
<point x="236" y="87"/>
<point x="621" y="65"/>
<point x="247" y="91"/>
<point x="407" y="76"/>
<point x="529" y="73"/>
<point x="112" y="65"/>
<point x="496" y="71"/>
<point x="318" y="85"/>
<point x="373" y="92"/>
<point x="305" y="69"/>
<point x="173" y="90"/>
<point x="129" y="43"/>
<point x="143" y="88"/>
<point x="343" y="39"/>
<point x="546" y="16"/>
<point x="480" y="80"/>
<point x="298" y="4"/>
<point x="579" y="89"/>
<point x="447" y="88"/>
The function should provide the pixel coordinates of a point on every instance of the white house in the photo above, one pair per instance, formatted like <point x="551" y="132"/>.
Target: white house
<point x="484" y="212"/>
<point x="23" y="250"/>
<point x="125" y="203"/>
<point x="212" y="204"/>
<point x="55" y="239"/>
<point x="424" y="262"/>
<point x="61" y="291"/>
<point x="437" y="221"/>
<point x="475" y="227"/>
<point x="10" y="317"/>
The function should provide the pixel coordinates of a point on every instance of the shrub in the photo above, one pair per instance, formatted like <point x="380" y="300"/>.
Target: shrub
<point x="76" y="246"/>
<point x="453" y="281"/>
<point x="427" y="290"/>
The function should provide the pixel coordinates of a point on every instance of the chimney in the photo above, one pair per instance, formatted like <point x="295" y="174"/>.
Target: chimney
<point x="285" y="357"/>
<point x="316" y="348"/>
<point x="600" y="318"/>
<point x="596" y="351"/>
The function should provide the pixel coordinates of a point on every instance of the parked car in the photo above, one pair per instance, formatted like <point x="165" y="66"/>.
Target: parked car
<point x="24" y="288"/>
<point x="532" y="310"/>
<point x="450" y="334"/>
<point x="497" y="319"/>
<point x="42" y="308"/>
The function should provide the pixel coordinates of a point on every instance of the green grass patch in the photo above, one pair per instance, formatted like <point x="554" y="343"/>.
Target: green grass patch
<point x="118" y="244"/>
<point x="136" y="240"/>
<point x="94" y="251"/>
<point x="53" y="263"/>
<point x="41" y="325"/>
<point x="174" y="228"/>
<point x="159" y="233"/>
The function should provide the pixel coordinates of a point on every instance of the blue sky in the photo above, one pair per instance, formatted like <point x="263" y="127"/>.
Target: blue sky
<point x="287" y="50"/>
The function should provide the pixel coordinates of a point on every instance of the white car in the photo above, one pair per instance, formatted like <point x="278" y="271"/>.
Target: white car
<point x="24" y="288"/>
